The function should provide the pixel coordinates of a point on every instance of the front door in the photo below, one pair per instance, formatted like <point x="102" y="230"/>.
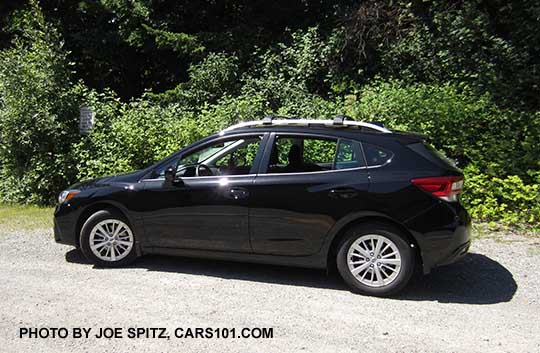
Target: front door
<point x="207" y="206"/>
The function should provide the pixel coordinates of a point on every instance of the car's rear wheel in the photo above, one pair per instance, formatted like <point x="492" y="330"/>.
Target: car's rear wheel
<point x="107" y="239"/>
<point x="375" y="259"/>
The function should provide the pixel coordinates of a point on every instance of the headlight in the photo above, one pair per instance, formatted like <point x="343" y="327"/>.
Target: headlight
<point x="66" y="195"/>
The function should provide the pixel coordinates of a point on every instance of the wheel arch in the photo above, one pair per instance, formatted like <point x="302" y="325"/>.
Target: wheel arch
<point x="93" y="208"/>
<point x="341" y="228"/>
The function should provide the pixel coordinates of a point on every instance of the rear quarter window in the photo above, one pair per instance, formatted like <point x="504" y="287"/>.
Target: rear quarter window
<point x="349" y="155"/>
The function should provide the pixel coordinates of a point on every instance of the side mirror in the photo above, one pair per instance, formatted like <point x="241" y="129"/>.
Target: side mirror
<point x="170" y="176"/>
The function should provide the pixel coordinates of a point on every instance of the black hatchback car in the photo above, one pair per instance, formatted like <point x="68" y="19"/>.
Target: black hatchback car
<point x="310" y="193"/>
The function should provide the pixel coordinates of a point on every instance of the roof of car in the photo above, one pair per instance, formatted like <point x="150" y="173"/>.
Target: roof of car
<point x="296" y="129"/>
<point x="341" y="126"/>
<point x="340" y="121"/>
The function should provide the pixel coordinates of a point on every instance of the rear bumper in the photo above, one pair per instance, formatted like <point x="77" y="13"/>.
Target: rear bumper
<point x="444" y="251"/>
<point x="443" y="234"/>
<point x="457" y="254"/>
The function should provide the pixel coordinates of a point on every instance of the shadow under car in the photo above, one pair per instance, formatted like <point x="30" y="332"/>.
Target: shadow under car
<point x="476" y="279"/>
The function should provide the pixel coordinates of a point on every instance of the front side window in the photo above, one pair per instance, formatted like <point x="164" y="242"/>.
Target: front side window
<point x="298" y="154"/>
<point x="232" y="157"/>
<point x="229" y="157"/>
<point x="205" y="153"/>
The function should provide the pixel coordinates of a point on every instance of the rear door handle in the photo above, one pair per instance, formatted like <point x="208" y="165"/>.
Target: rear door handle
<point x="238" y="193"/>
<point x="343" y="193"/>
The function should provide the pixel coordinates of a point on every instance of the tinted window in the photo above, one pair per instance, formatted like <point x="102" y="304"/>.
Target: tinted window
<point x="319" y="151"/>
<point x="440" y="156"/>
<point x="348" y="155"/>
<point x="205" y="153"/>
<point x="230" y="157"/>
<point x="242" y="156"/>
<point x="294" y="154"/>
<point x="376" y="155"/>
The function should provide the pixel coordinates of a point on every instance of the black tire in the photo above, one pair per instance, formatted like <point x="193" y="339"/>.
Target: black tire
<point x="86" y="230"/>
<point x="406" y="254"/>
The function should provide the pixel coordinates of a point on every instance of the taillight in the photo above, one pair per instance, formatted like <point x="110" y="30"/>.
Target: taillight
<point x="445" y="187"/>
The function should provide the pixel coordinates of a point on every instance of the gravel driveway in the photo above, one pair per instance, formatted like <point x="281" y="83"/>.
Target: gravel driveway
<point x="490" y="301"/>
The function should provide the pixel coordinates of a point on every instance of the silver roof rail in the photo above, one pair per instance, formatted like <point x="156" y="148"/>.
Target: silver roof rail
<point x="306" y="122"/>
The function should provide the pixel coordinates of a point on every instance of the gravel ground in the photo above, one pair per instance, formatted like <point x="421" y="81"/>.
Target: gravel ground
<point x="490" y="301"/>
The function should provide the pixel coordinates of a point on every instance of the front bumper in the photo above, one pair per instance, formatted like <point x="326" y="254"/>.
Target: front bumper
<point x="65" y="226"/>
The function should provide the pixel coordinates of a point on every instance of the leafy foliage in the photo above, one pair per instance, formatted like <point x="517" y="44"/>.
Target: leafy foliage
<point x="38" y="113"/>
<point x="208" y="80"/>
<point x="506" y="199"/>
<point x="461" y="42"/>
<point x="468" y="127"/>
<point x="158" y="77"/>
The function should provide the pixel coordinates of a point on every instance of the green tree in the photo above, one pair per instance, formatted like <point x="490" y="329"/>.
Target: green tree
<point x="38" y="111"/>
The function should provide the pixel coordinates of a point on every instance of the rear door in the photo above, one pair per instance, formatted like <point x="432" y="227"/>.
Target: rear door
<point x="305" y="184"/>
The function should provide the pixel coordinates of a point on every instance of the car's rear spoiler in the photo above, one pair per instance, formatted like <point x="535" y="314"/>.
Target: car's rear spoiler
<point x="409" y="137"/>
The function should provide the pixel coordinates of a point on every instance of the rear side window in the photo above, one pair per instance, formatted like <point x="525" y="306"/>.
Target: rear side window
<point x="349" y="155"/>
<point x="376" y="156"/>
<point x="300" y="154"/>
<point x="319" y="151"/>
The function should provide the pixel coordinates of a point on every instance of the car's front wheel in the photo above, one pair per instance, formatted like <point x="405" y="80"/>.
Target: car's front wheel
<point x="107" y="239"/>
<point x="375" y="259"/>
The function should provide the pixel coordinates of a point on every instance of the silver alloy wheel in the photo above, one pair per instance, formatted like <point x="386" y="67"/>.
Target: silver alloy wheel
<point x="374" y="260"/>
<point x="111" y="240"/>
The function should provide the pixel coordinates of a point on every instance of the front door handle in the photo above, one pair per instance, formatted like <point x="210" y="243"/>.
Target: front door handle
<point x="343" y="193"/>
<point x="238" y="193"/>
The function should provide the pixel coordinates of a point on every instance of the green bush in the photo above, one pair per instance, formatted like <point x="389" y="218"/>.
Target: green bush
<point x="42" y="151"/>
<point x="469" y="128"/>
<point x="128" y="137"/>
<point x="506" y="199"/>
<point x="215" y="77"/>
<point x="463" y="43"/>
<point x="297" y="72"/>
<point x="38" y="113"/>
